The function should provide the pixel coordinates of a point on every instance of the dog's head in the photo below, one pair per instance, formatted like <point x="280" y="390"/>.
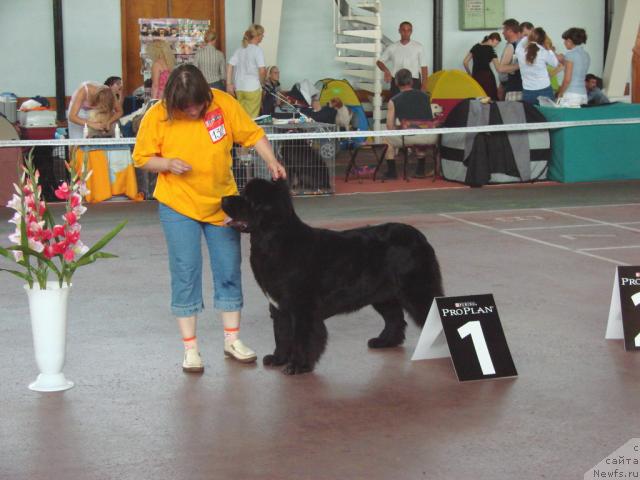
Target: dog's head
<point x="263" y="205"/>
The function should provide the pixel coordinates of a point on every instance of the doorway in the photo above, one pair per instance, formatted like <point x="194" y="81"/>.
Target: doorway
<point x="132" y="10"/>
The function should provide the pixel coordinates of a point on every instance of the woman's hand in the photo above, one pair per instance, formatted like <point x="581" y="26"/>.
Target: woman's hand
<point x="98" y="126"/>
<point x="177" y="166"/>
<point x="231" y="89"/>
<point x="263" y="147"/>
<point x="277" y="169"/>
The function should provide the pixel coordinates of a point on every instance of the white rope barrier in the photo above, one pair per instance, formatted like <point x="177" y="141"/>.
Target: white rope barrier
<point x="514" y="127"/>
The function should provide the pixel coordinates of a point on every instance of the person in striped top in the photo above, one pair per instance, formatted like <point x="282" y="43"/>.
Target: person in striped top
<point x="211" y="62"/>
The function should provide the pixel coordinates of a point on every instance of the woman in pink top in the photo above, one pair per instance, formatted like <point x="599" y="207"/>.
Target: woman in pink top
<point x="91" y="96"/>
<point x="163" y="61"/>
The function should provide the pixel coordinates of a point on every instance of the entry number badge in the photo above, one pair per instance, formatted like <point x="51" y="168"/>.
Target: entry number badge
<point x="214" y="121"/>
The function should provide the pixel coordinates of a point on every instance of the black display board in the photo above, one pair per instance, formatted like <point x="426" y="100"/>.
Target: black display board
<point x="474" y="337"/>
<point x="624" y="313"/>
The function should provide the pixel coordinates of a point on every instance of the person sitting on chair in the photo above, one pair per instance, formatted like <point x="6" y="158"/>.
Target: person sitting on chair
<point x="593" y="85"/>
<point x="409" y="104"/>
<point x="271" y="96"/>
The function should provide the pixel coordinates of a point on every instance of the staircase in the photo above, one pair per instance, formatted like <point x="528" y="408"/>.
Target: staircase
<point x="359" y="43"/>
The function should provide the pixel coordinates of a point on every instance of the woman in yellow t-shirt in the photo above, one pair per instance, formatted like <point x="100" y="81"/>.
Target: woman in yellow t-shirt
<point x="187" y="138"/>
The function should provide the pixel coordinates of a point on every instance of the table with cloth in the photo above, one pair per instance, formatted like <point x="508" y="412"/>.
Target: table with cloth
<point x="113" y="172"/>
<point x="599" y="152"/>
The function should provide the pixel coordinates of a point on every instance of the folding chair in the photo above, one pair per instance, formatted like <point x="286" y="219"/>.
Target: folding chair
<point x="430" y="143"/>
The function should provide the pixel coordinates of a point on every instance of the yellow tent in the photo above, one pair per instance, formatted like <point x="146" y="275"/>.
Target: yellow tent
<point x="330" y="88"/>
<point x="453" y="84"/>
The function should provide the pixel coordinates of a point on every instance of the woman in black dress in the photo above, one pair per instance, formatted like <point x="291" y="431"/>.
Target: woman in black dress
<point x="483" y="56"/>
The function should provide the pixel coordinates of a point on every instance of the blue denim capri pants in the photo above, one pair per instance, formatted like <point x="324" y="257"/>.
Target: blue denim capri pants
<point x="183" y="236"/>
<point x="531" y="96"/>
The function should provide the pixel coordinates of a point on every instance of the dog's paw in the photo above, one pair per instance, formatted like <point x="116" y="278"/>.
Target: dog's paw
<point x="273" y="361"/>
<point x="379" y="342"/>
<point x="295" y="369"/>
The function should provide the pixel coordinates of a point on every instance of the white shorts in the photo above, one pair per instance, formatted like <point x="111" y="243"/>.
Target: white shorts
<point x="513" y="96"/>
<point x="573" y="100"/>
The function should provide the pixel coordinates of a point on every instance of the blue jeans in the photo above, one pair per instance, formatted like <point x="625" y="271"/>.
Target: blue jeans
<point x="531" y="96"/>
<point x="220" y="85"/>
<point x="183" y="236"/>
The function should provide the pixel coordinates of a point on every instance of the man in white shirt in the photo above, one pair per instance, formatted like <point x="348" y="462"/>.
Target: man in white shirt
<point x="405" y="53"/>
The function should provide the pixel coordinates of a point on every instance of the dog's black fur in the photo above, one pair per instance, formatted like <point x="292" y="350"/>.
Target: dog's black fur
<point x="310" y="274"/>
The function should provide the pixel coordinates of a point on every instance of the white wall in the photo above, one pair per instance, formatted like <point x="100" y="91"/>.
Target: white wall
<point x="237" y="17"/>
<point x="92" y="44"/>
<point x="93" y="41"/>
<point x="27" y="65"/>
<point x="306" y="48"/>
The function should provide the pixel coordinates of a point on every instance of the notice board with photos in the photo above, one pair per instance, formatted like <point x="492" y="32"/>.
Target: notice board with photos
<point x="481" y="14"/>
<point x="183" y="35"/>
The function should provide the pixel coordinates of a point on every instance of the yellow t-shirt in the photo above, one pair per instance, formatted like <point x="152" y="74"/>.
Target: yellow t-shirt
<point x="205" y="144"/>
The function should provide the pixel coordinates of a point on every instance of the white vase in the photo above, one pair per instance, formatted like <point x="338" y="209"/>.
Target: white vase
<point x="48" y="310"/>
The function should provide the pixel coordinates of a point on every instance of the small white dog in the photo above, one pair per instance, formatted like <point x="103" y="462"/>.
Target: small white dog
<point x="343" y="115"/>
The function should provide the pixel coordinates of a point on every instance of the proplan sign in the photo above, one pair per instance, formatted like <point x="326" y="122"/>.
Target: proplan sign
<point x="468" y="330"/>
<point x="624" y="312"/>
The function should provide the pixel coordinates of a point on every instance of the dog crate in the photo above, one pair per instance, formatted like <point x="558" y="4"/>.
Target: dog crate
<point x="310" y="163"/>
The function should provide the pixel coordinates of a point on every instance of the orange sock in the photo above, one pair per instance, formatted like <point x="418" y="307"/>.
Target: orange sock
<point x="231" y="335"/>
<point x="191" y="342"/>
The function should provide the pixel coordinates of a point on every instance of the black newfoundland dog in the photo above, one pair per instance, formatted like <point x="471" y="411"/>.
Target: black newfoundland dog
<point x="310" y="274"/>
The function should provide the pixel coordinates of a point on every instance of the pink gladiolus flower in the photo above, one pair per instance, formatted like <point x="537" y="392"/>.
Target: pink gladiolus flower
<point x="59" y="244"/>
<point x="72" y="236"/>
<point x="34" y="229"/>
<point x="70" y="217"/>
<point x="63" y="192"/>
<point x="69" y="255"/>
<point x="46" y="234"/>
<point x="58" y="230"/>
<point x="76" y="200"/>
<point x="30" y="202"/>
<point x="60" y="247"/>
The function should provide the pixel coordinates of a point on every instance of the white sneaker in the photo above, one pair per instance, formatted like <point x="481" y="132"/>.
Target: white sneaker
<point x="240" y="352"/>
<point x="192" y="362"/>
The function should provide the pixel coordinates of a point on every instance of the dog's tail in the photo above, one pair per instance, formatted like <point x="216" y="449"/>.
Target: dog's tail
<point x="425" y="284"/>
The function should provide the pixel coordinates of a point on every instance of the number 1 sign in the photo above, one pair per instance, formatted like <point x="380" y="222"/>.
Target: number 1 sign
<point x="624" y="311"/>
<point x="468" y="329"/>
